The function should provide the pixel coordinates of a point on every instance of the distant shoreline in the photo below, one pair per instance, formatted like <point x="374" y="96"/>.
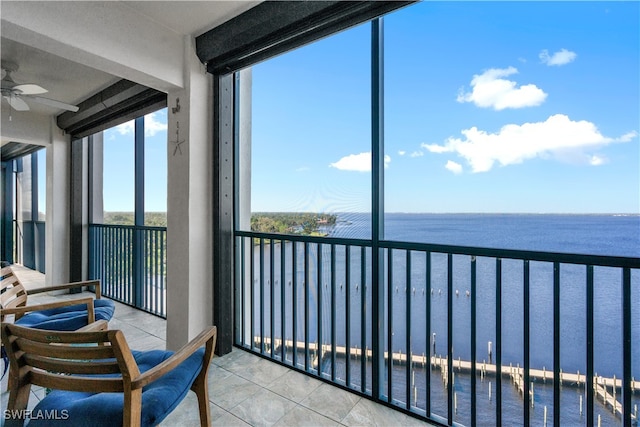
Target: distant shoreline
<point x="420" y="213"/>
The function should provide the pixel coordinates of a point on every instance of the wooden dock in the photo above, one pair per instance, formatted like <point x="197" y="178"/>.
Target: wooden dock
<point x="459" y="365"/>
<point x="609" y="398"/>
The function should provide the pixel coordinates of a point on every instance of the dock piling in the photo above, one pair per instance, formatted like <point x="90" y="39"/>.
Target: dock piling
<point x="580" y="405"/>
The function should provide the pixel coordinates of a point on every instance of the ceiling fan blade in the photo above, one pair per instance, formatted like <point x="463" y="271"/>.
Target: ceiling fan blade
<point x="30" y="89"/>
<point x="17" y="103"/>
<point x="53" y="103"/>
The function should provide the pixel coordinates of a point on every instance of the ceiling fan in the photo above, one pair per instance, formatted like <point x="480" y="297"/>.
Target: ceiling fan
<point x="16" y="94"/>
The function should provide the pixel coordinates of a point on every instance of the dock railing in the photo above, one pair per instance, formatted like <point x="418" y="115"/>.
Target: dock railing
<point x="310" y="303"/>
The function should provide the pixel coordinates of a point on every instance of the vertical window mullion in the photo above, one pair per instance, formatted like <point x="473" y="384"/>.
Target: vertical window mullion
<point x="377" y="208"/>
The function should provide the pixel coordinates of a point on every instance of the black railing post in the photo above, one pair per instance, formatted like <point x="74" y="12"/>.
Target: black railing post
<point x="252" y="296"/>
<point x="283" y="301"/>
<point x="626" y="347"/>
<point x="427" y="338"/>
<point x="347" y="314"/>
<point x="319" y="315"/>
<point x="590" y="358"/>
<point x="333" y="314"/>
<point x="306" y="287"/>
<point x="408" y="330"/>
<point x="389" y="325"/>
<point x="473" y="342"/>
<point x="272" y="288"/>
<point x="526" y="307"/>
<point x="261" y="281"/>
<point x="556" y="344"/>
<point x="241" y="288"/>
<point x="363" y="322"/>
<point x="498" y="342"/>
<point x="294" y="301"/>
<point x="450" y="398"/>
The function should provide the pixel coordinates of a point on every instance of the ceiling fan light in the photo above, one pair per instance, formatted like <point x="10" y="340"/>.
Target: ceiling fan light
<point x="30" y="89"/>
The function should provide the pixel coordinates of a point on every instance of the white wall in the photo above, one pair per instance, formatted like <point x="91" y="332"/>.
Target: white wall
<point x="189" y="195"/>
<point x="58" y="210"/>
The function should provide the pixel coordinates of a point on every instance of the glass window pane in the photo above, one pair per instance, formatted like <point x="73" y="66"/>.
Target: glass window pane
<point x="42" y="184"/>
<point x="311" y="137"/>
<point x="119" y="184"/>
<point x="524" y="108"/>
<point x="155" y="168"/>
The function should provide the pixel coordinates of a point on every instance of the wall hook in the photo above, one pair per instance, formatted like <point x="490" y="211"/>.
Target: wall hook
<point x="177" y="107"/>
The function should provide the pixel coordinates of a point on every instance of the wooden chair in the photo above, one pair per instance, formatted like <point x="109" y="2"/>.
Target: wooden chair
<point x="65" y="315"/>
<point x="98" y="380"/>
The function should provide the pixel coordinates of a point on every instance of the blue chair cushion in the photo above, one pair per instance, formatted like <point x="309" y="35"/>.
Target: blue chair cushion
<point x="67" y="318"/>
<point x="70" y="408"/>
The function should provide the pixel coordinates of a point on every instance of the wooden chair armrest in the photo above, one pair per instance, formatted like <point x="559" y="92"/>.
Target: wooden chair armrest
<point x="73" y="285"/>
<point x="98" y="325"/>
<point x="208" y="337"/>
<point x="46" y="306"/>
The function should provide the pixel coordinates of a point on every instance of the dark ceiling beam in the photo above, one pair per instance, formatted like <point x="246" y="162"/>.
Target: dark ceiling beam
<point x="274" y="27"/>
<point x="117" y="104"/>
<point x="14" y="150"/>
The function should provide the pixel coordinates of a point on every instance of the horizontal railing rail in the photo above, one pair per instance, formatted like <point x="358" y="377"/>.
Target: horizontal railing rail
<point x="545" y="318"/>
<point x="131" y="263"/>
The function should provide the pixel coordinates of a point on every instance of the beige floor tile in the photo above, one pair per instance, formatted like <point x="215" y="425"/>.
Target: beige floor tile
<point x="263" y="409"/>
<point x="331" y="402"/>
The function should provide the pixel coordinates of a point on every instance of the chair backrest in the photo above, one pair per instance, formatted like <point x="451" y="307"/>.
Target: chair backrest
<point x="12" y="292"/>
<point x="70" y="360"/>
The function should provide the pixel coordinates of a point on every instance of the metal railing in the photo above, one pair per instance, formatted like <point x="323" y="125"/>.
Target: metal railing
<point x="131" y="263"/>
<point x="309" y="303"/>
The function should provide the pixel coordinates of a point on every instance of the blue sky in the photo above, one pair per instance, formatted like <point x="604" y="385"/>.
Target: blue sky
<point x="118" y="189"/>
<point x="489" y="107"/>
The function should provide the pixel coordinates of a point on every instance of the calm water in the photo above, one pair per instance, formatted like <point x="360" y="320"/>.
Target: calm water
<point x="580" y="234"/>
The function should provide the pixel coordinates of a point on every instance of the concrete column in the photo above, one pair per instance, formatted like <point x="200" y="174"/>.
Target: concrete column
<point x="58" y="202"/>
<point x="189" y="216"/>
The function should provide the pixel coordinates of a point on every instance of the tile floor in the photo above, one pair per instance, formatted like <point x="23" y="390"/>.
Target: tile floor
<point x="244" y="390"/>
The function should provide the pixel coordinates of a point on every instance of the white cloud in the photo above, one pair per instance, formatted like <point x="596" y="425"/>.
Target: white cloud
<point x="561" y="57"/>
<point x="151" y="126"/>
<point x="558" y="136"/>
<point x="303" y="169"/>
<point x="628" y="136"/>
<point x="358" y="162"/>
<point x="454" y="167"/>
<point x="491" y="90"/>
<point x="126" y="128"/>
<point x="417" y="154"/>
<point x="401" y="153"/>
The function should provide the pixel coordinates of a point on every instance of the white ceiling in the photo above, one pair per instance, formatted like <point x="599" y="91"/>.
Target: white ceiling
<point x="66" y="81"/>
<point x="71" y="82"/>
<point x="190" y="17"/>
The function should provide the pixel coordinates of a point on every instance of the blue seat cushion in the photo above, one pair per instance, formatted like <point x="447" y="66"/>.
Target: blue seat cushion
<point x="67" y="318"/>
<point x="106" y="409"/>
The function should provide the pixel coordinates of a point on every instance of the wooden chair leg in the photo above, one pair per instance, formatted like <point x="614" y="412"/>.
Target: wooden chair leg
<point x="201" y="387"/>
<point x="132" y="408"/>
<point x="17" y="404"/>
